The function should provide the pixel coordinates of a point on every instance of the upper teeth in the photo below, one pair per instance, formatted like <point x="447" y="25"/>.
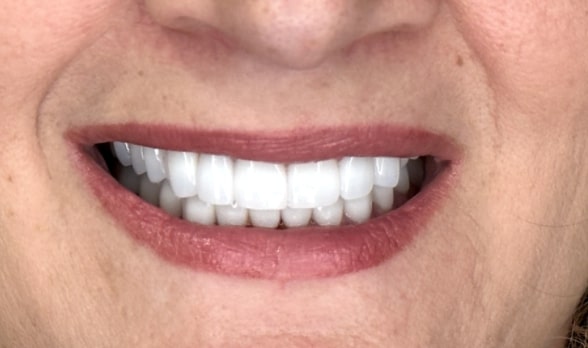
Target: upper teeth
<point x="210" y="189"/>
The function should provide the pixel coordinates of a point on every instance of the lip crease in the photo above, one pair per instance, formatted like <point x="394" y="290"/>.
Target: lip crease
<point x="301" y="253"/>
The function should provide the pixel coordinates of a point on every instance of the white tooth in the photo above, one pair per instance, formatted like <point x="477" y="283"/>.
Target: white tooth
<point x="123" y="153"/>
<point x="359" y="210"/>
<point x="168" y="201"/>
<point x="331" y="215"/>
<point x="357" y="176"/>
<point x="403" y="181"/>
<point x="260" y="185"/>
<point x="231" y="215"/>
<point x="128" y="179"/>
<point x="149" y="191"/>
<point x="155" y="163"/>
<point x="383" y="198"/>
<point x="138" y="159"/>
<point x="386" y="171"/>
<point x="313" y="184"/>
<point x="296" y="217"/>
<point x="215" y="179"/>
<point x="198" y="211"/>
<point x="404" y="162"/>
<point x="265" y="218"/>
<point x="181" y="168"/>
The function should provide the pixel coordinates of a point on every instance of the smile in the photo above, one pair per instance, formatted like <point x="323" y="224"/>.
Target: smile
<point x="215" y="189"/>
<point x="269" y="206"/>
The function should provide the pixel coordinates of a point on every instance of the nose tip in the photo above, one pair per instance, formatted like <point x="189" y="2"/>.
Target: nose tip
<point x="295" y="33"/>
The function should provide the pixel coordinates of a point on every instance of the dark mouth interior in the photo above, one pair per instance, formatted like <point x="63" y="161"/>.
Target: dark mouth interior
<point x="429" y="167"/>
<point x="106" y="158"/>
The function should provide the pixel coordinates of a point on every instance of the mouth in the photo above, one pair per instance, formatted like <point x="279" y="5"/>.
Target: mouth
<point x="297" y="205"/>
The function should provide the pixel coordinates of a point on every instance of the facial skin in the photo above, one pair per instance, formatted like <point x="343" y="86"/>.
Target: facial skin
<point x="501" y="264"/>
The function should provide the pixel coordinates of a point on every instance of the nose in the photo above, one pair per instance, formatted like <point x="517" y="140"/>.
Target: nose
<point x="295" y="33"/>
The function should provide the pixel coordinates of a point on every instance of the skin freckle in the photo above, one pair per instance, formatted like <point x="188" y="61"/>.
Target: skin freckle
<point x="459" y="61"/>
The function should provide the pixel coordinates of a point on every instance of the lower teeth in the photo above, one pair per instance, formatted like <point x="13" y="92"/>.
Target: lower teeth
<point x="380" y="200"/>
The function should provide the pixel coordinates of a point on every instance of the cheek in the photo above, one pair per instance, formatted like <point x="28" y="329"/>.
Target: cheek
<point x="534" y="53"/>
<point x="39" y="38"/>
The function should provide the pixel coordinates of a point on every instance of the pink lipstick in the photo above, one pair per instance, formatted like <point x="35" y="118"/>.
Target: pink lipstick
<point x="298" y="253"/>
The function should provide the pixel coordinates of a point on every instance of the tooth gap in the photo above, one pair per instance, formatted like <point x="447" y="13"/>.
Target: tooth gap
<point x="414" y="172"/>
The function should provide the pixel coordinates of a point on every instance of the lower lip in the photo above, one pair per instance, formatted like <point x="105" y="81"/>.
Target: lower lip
<point x="302" y="253"/>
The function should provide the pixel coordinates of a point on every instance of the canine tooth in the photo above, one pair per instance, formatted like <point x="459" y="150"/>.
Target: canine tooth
<point x="196" y="210"/>
<point x="149" y="191"/>
<point x="264" y="218"/>
<point x="296" y="217"/>
<point x="357" y="176"/>
<point x="383" y="198"/>
<point x="313" y="184"/>
<point x="181" y="167"/>
<point x="360" y="209"/>
<point x="260" y="185"/>
<point x="138" y="159"/>
<point x="403" y="181"/>
<point x="330" y="215"/>
<point x="386" y="171"/>
<point x="215" y="179"/>
<point x="122" y="151"/>
<point x="231" y="215"/>
<point x="155" y="163"/>
<point x="128" y="179"/>
<point x="168" y="201"/>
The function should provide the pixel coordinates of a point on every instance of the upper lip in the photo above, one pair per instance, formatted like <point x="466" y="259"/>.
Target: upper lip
<point x="304" y="144"/>
<point x="308" y="252"/>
